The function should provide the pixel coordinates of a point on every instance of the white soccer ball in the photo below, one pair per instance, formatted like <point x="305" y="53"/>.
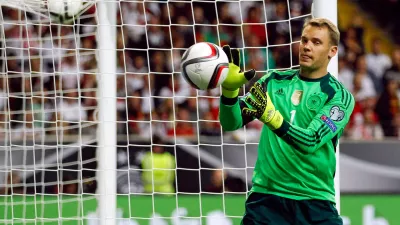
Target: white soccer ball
<point x="204" y="66"/>
<point x="64" y="10"/>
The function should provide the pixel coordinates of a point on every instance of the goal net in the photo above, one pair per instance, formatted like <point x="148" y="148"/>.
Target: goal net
<point x="174" y="164"/>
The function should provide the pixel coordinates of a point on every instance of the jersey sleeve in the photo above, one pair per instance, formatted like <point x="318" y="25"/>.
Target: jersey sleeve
<point x="327" y="126"/>
<point x="230" y="113"/>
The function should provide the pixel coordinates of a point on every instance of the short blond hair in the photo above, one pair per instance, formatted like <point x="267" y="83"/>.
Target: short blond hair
<point x="334" y="33"/>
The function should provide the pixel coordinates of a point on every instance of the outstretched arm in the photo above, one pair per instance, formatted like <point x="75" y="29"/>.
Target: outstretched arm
<point x="230" y="109"/>
<point x="230" y="113"/>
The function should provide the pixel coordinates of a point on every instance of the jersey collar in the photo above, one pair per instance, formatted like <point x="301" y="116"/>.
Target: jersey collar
<point x="311" y="79"/>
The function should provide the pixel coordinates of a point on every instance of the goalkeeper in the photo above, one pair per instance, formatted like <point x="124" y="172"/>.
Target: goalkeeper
<point x="305" y="112"/>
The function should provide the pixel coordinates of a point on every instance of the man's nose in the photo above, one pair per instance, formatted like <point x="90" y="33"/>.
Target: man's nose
<point x="306" y="46"/>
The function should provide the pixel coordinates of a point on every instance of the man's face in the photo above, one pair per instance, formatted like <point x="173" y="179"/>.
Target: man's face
<point x="315" y="48"/>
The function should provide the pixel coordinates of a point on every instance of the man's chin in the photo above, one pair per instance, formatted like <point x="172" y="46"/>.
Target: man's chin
<point x="305" y="66"/>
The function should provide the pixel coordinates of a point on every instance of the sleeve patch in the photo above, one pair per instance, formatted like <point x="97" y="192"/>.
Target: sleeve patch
<point x="329" y="123"/>
<point x="336" y="113"/>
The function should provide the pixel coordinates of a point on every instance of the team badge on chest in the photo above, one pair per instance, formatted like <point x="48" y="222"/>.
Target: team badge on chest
<point x="314" y="101"/>
<point x="296" y="97"/>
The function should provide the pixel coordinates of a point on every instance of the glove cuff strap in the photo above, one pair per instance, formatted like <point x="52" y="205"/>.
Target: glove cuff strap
<point x="229" y="93"/>
<point x="276" y="121"/>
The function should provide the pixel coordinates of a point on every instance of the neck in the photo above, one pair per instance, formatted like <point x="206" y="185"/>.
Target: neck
<point x="313" y="74"/>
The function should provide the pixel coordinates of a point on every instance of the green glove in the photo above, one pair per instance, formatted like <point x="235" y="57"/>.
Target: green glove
<point x="263" y="108"/>
<point x="236" y="78"/>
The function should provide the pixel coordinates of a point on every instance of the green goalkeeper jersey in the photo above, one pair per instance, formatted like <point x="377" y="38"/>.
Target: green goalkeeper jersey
<point x="296" y="161"/>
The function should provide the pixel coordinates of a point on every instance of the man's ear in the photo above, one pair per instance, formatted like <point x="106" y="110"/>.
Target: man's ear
<point x="332" y="51"/>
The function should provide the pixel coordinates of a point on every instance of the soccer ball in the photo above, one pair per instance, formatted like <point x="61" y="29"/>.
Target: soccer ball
<point x="65" y="11"/>
<point x="204" y="66"/>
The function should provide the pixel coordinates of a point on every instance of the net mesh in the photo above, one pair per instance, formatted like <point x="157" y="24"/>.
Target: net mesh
<point x="175" y="164"/>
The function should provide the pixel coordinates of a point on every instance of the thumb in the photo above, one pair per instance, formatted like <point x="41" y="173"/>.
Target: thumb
<point x="249" y="74"/>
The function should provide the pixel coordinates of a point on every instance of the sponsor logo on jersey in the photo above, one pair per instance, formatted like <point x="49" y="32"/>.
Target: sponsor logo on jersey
<point x="329" y="123"/>
<point x="279" y="92"/>
<point x="296" y="97"/>
<point x="336" y="113"/>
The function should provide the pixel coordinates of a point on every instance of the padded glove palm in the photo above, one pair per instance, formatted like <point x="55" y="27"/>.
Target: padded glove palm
<point x="262" y="107"/>
<point x="236" y="78"/>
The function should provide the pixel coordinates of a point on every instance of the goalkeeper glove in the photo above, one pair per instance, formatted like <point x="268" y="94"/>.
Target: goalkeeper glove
<point x="235" y="78"/>
<point x="262" y="107"/>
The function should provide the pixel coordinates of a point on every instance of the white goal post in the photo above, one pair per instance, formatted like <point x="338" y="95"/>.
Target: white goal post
<point x="107" y="129"/>
<point x="328" y="9"/>
<point x="53" y="163"/>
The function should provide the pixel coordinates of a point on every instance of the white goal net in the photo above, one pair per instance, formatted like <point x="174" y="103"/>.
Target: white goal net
<point x="174" y="165"/>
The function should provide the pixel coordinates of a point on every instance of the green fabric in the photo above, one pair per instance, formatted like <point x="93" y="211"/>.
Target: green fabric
<point x="297" y="161"/>
<point x="230" y="116"/>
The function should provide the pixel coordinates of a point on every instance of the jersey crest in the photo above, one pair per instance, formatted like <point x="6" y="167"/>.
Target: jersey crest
<point x="314" y="101"/>
<point x="296" y="97"/>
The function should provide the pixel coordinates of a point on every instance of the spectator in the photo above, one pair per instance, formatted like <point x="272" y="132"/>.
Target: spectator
<point x="366" y="127"/>
<point x="222" y="182"/>
<point x="346" y="75"/>
<point x="259" y="58"/>
<point x="393" y="73"/>
<point x="13" y="184"/>
<point x="26" y="129"/>
<point x="183" y="125"/>
<point x="363" y="86"/>
<point x="136" y="119"/>
<point x="158" y="169"/>
<point x="69" y="71"/>
<point x="177" y="88"/>
<point x="257" y="27"/>
<point x="71" y="111"/>
<point x="388" y="108"/>
<point x="209" y="127"/>
<point x="377" y="61"/>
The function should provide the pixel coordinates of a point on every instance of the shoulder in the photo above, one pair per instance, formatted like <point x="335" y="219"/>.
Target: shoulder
<point x="279" y="75"/>
<point x="334" y="89"/>
<point x="341" y="93"/>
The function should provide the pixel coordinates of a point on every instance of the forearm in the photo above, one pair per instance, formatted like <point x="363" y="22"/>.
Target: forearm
<point x="305" y="140"/>
<point x="230" y="115"/>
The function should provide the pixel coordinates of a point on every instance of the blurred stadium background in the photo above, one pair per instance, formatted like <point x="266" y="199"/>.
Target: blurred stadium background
<point x="49" y="114"/>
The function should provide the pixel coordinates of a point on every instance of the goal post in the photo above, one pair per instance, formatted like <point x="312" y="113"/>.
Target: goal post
<point x="107" y="128"/>
<point x="328" y="9"/>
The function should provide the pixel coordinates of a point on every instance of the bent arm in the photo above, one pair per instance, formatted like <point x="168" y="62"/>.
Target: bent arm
<point x="230" y="113"/>
<point x="327" y="126"/>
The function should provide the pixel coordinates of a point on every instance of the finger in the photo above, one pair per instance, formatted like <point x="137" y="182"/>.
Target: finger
<point x="260" y="90"/>
<point x="236" y="57"/>
<point x="256" y="94"/>
<point x="227" y="50"/>
<point x="250" y="112"/>
<point x="249" y="74"/>
<point x="253" y="103"/>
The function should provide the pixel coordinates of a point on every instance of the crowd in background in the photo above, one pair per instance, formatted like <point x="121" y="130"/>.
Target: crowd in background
<point x="50" y="84"/>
